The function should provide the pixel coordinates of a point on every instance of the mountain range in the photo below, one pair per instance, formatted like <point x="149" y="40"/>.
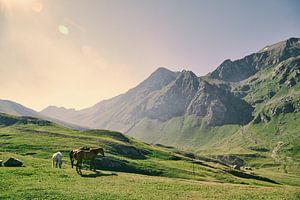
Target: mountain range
<point x="248" y="104"/>
<point x="16" y="109"/>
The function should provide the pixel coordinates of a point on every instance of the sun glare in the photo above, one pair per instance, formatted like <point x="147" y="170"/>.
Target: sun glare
<point x="34" y="5"/>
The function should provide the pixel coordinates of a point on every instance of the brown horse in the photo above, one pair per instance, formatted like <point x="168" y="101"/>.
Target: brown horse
<point x="71" y="154"/>
<point x="87" y="155"/>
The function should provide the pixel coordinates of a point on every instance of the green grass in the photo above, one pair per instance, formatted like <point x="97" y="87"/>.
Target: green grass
<point x="172" y="174"/>
<point x="39" y="181"/>
<point x="42" y="141"/>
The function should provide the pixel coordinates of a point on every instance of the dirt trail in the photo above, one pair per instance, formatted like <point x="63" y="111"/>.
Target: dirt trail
<point x="276" y="149"/>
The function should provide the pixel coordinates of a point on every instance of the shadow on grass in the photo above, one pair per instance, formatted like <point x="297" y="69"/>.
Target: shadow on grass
<point x="250" y="176"/>
<point x="97" y="174"/>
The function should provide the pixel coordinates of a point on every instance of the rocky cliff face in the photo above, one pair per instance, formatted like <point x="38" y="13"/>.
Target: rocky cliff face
<point x="219" y="106"/>
<point x="172" y="100"/>
<point x="241" y="69"/>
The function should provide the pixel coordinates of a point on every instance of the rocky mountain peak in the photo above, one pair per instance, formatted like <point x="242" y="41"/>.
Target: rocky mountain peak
<point x="238" y="70"/>
<point x="158" y="79"/>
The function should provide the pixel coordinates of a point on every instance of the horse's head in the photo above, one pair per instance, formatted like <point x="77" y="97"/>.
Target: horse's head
<point x="101" y="151"/>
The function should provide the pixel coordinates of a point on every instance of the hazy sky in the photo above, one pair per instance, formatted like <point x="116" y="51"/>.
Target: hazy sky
<point x="74" y="53"/>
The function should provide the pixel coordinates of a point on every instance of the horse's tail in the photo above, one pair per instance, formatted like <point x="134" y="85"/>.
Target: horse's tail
<point x="72" y="158"/>
<point x="52" y="162"/>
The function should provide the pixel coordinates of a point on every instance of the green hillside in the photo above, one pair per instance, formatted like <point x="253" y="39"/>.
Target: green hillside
<point x="245" y="106"/>
<point x="172" y="172"/>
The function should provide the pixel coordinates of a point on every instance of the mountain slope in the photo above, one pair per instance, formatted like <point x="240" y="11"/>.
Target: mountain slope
<point x="241" y="69"/>
<point x="209" y="112"/>
<point x="12" y="108"/>
<point x="177" y="96"/>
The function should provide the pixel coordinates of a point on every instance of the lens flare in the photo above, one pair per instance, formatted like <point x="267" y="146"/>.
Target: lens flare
<point x="63" y="30"/>
<point x="15" y="5"/>
<point x="37" y="7"/>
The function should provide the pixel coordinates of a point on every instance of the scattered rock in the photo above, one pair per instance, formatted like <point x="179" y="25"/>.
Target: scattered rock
<point x="258" y="101"/>
<point x="284" y="108"/>
<point x="237" y="167"/>
<point x="259" y="149"/>
<point x="278" y="70"/>
<point x="245" y="88"/>
<point x="262" y="117"/>
<point x="271" y="94"/>
<point x="230" y="160"/>
<point x="13" y="162"/>
<point x="291" y="83"/>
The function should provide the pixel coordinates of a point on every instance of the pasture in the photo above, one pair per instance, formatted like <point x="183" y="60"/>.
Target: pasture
<point x="132" y="169"/>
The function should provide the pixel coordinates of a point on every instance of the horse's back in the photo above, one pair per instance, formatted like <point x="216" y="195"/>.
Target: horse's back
<point x="57" y="155"/>
<point x="85" y="155"/>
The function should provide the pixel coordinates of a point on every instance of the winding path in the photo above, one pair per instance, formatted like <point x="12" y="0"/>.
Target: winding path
<point x="276" y="149"/>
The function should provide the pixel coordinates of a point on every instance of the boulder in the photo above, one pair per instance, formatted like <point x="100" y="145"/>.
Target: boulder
<point x="13" y="162"/>
<point x="230" y="160"/>
<point x="237" y="167"/>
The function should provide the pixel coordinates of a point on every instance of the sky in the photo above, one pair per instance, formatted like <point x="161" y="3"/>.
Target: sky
<point x="75" y="53"/>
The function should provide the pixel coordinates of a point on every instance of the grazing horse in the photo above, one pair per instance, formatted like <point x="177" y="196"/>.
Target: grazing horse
<point x="72" y="152"/>
<point x="57" y="159"/>
<point x="87" y="155"/>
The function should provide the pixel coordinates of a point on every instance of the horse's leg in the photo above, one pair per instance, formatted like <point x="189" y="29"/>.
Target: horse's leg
<point x="94" y="165"/>
<point x="77" y="166"/>
<point x="91" y="165"/>
<point x="71" y="155"/>
<point x="60" y="163"/>
<point x="80" y="166"/>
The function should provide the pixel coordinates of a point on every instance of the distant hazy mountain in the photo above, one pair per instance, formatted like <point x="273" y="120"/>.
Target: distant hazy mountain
<point x="59" y="113"/>
<point x="179" y="108"/>
<point x="13" y="108"/>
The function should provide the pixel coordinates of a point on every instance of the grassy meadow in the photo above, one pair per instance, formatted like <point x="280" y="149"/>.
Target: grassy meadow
<point x="130" y="170"/>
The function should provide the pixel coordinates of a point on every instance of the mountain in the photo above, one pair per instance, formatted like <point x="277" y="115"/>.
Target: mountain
<point x="62" y="113"/>
<point x="13" y="108"/>
<point x="163" y="96"/>
<point x="226" y="110"/>
<point x="241" y="69"/>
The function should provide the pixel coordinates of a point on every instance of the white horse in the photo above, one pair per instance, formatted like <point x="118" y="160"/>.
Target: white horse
<point x="57" y="158"/>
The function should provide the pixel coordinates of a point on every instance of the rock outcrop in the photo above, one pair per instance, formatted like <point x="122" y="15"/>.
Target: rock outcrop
<point x="13" y="162"/>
